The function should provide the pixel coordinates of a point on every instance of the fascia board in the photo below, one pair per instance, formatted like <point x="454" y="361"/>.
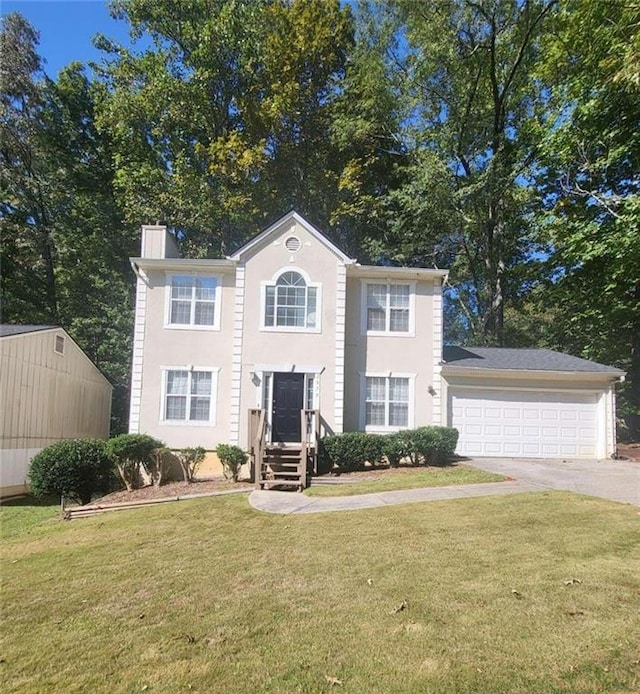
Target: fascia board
<point x="532" y="373"/>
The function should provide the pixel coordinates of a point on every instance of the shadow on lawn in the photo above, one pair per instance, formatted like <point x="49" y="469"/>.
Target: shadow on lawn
<point x="31" y="501"/>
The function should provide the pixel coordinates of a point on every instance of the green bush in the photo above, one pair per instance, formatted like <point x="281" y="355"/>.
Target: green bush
<point x="130" y="451"/>
<point x="232" y="458"/>
<point x="76" y="468"/>
<point x="351" y="450"/>
<point x="190" y="459"/>
<point x="432" y="445"/>
<point x="396" y="447"/>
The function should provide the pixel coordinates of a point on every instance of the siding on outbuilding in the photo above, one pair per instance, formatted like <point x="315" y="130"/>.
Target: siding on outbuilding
<point x="45" y="396"/>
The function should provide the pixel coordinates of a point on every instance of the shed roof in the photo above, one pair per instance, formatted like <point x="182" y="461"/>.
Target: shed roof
<point x="6" y="330"/>
<point x="514" y="359"/>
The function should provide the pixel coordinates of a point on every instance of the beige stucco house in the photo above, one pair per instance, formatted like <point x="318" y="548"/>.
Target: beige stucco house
<point x="290" y="323"/>
<point x="49" y="390"/>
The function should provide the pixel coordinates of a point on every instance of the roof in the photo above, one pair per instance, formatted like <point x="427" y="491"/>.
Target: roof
<point x="512" y="359"/>
<point x="7" y="330"/>
<point x="393" y="271"/>
<point x="291" y="216"/>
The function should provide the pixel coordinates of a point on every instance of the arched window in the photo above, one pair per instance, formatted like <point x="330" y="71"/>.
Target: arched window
<point x="290" y="302"/>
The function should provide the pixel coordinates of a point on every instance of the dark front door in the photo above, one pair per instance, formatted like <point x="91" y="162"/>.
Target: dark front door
<point x="288" y="399"/>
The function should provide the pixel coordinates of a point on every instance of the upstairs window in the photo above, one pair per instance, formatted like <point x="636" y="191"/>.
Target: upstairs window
<point x="193" y="301"/>
<point x="388" y="308"/>
<point x="291" y="303"/>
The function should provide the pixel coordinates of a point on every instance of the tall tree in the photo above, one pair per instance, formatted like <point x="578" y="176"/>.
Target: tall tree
<point x="468" y="70"/>
<point x="591" y="184"/>
<point x="223" y="121"/>
<point x="64" y="245"/>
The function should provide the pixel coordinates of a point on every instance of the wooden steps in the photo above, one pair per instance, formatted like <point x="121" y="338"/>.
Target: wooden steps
<point x="282" y="466"/>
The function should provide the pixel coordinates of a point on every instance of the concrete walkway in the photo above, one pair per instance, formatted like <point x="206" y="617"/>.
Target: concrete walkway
<point x="614" y="480"/>
<point x="291" y="502"/>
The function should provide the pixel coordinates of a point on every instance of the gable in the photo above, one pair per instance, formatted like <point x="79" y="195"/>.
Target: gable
<point x="291" y="227"/>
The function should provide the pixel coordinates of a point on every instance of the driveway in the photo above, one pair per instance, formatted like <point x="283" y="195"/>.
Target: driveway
<point x="616" y="480"/>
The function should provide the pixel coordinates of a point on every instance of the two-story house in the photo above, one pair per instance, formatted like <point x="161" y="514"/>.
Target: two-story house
<point x="289" y="323"/>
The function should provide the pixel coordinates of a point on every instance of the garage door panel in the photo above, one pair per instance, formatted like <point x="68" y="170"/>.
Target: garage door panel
<point x="524" y="423"/>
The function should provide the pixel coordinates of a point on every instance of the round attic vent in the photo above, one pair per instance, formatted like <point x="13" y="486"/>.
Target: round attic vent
<point x="292" y="244"/>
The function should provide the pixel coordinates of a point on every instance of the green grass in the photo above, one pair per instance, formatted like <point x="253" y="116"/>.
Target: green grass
<point x="212" y="596"/>
<point x="408" y="479"/>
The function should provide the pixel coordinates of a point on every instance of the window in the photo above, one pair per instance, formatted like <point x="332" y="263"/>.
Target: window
<point x="388" y="308"/>
<point x="387" y="401"/>
<point x="193" y="301"/>
<point x="291" y="303"/>
<point x="188" y="395"/>
<point x="58" y="346"/>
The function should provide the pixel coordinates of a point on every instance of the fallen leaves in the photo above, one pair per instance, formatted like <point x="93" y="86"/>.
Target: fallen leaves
<point x="572" y="582"/>
<point x="399" y="608"/>
<point x="333" y="681"/>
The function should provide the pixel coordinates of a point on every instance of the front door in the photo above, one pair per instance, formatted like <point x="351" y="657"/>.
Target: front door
<point x="288" y="400"/>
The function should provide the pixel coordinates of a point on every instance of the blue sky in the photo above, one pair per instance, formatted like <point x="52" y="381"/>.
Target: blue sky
<point x="66" y="28"/>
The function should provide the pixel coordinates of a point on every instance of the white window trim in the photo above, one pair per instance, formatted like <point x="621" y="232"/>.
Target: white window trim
<point x="59" y="352"/>
<point x="290" y="328"/>
<point x="192" y="326"/>
<point x="363" y="401"/>
<point x="363" y="307"/>
<point x="213" y="409"/>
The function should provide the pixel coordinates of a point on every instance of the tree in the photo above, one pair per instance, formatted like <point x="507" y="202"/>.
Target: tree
<point x="589" y="177"/>
<point x="474" y="112"/>
<point x="64" y="245"/>
<point x="223" y="123"/>
<point x="130" y="451"/>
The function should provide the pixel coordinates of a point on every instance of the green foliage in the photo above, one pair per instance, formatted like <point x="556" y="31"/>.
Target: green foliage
<point x="397" y="447"/>
<point x="190" y="459"/>
<point x="589" y="178"/>
<point x="232" y="459"/>
<point x="75" y="468"/>
<point x="351" y="450"/>
<point x="157" y="463"/>
<point x="130" y="451"/>
<point x="64" y="246"/>
<point x="432" y="445"/>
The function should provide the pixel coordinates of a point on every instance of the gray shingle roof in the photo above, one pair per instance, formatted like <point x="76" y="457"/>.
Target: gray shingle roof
<point x="520" y="359"/>
<point x="7" y="330"/>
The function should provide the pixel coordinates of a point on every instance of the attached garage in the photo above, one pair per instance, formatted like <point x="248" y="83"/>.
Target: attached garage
<point x="529" y="403"/>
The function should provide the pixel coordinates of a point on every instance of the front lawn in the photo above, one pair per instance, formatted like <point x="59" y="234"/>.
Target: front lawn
<point x="403" y="478"/>
<point x="212" y="596"/>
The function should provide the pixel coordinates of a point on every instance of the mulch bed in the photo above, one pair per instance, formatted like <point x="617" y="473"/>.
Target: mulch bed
<point x="629" y="451"/>
<point x="173" y="489"/>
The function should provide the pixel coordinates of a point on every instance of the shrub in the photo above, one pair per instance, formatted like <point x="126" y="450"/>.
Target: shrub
<point x="351" y="450"/>
<point x="76" y="468"/>
<point x="190" y="459"/>
<point x="396" y="447"/>
<point x="232" y="458"/>
<point x="432" y="445"/>
<point x="156" y="464"/>
<point x="130" y="451"/>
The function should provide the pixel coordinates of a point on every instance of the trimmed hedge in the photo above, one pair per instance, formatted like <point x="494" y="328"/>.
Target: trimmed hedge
<point x="74" y="468"/>
<point x="431" y="445"/>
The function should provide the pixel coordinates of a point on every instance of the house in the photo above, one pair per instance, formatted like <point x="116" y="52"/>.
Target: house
<point x="49" y="390"/>
<point x="289" y="338"/>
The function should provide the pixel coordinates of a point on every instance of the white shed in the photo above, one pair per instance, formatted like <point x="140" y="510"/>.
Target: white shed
<point x="49" y="390"/>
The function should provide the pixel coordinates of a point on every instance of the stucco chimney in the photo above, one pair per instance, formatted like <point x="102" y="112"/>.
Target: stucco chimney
<point x="157" y="242"/>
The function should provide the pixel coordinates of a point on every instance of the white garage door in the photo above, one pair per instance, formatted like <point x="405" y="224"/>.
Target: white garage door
<point x="524" y="424"/>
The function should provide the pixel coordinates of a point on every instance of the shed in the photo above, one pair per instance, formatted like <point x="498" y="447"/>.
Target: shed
<point x="49" y="390"/>
<point x="529" y="403"/>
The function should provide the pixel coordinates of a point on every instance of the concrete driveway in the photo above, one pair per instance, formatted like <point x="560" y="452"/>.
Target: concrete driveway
<point x="616" y="480"/>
